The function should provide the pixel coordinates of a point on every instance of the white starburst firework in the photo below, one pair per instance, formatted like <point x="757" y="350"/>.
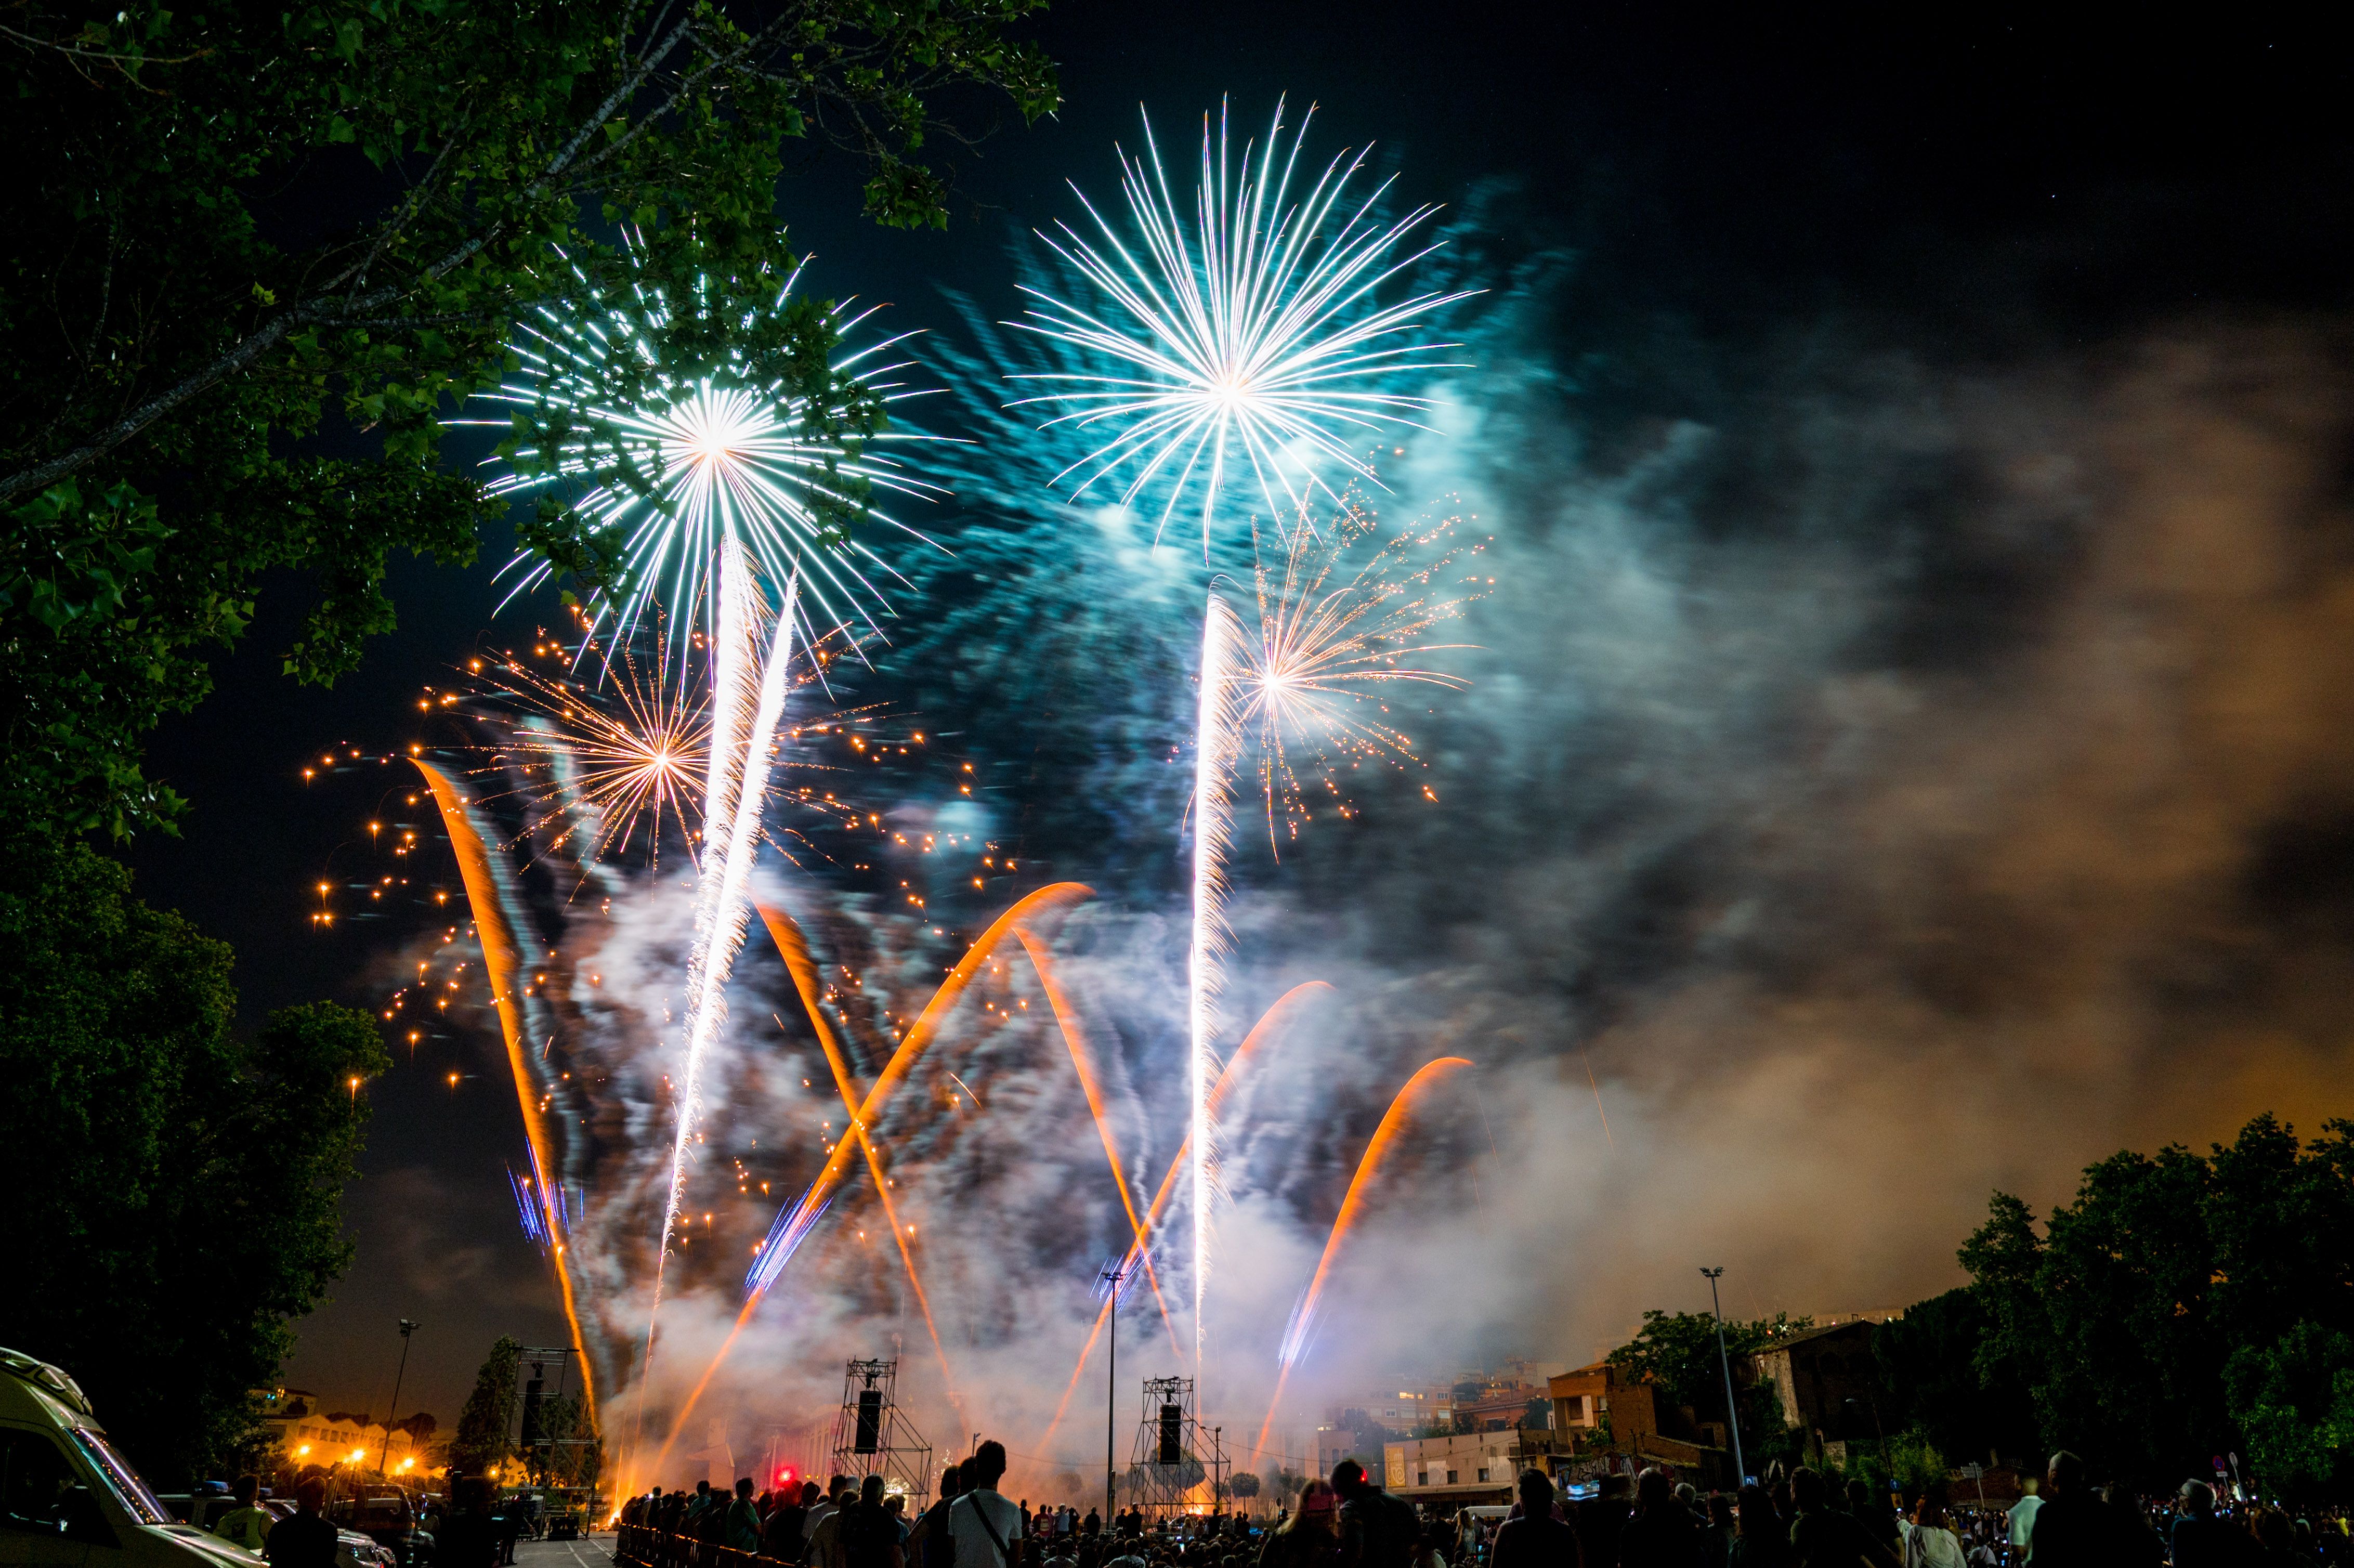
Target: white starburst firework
<point x="1250" y="339"/>
<point x="674" y="422"/>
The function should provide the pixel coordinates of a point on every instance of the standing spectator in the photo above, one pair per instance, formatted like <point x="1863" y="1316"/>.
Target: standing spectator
<point x="1878" y="1521"/>
<point x="248" y="1522"/>
<point x="865" y="1534"/>
<point x="1716" y="1536"/>
<point x="1537" y="1539"/>
<point x="1378" y="1531"/>
<point x="2275" y="1539"/>
<point x="710" y="1527"/>
<point x="1821" y="1536"/>
<point x="1761" y="1537"/>
<point x="2202" y="1541"/>
<point x="305" y="1539"/>
<point x="2073" y="1529"/>
<point x="467" y="1539"/>
<point x="1308" y="1539"/>
<point x="780" y="1533"/>
<point x="929" y="1542"/>
<point x="1662" y="1534"/>
<point x="740" y="1529"/>
<point x="2023" y="1521"/>
<point x="1600" y="1519"/>
<point x="1931" y="1542"/>
<point x="825" y="1521"/>
<point x="986" y="1526"/>
<point x="2138" y="1544"/>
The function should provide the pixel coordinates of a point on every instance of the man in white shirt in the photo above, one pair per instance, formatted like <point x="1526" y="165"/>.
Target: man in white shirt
<point x="823" y="1521"/>
<point x="2023" y="1521"/>
<point x="987" y="1528"/>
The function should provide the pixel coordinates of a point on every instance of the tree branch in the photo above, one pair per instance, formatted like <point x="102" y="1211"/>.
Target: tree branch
<point x="41" y="475"/>
<point x="409" y="208"/>
<point x="357" y="308"/>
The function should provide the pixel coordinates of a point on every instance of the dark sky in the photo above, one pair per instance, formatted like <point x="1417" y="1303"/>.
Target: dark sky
<point x="1984" y="191"/>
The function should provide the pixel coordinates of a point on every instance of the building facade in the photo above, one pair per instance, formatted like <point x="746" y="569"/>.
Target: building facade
<point x="1611" y="1421"/>
<point x="1828" y="1380"/>
<point x="1468" y="1468"/>
<point x="303" y="1434"/>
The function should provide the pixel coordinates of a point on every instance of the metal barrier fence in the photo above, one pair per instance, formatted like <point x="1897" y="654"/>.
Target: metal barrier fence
<point x="651" y="1548"/>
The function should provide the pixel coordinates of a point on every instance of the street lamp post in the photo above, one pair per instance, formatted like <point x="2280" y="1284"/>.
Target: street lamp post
<point x="407" y="1329"/>
<point x="1878" y="1424"/>
<point x="1724" y="1361"/>
<point x="1114" y="1275"/>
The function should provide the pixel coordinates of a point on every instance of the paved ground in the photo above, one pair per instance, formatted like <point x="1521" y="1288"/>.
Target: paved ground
<point x="591" y="1551"/>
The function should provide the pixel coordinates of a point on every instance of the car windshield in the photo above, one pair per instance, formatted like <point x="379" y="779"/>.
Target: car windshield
<point x="129" y="1490"/>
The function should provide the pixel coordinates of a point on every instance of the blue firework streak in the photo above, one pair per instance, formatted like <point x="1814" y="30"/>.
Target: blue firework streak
<point x="786" y="1233"/>
<point x="671" y="420"/>
<point x="1251" y="338"/>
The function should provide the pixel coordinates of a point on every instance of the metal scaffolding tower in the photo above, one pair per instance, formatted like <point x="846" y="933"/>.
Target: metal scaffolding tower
<point x="1168" y="1460"/>
<point x="872" y="1436"/>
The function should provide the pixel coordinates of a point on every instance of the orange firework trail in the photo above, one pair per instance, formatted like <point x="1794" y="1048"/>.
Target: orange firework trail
<point x="502" y="959"/>
<point x="1069" y="1021"/>
<point x="787" y="933"/>
<point x="1295" y="1342"/>
<point x="1268" y="1025"/>
<point x="792" y="1226"/>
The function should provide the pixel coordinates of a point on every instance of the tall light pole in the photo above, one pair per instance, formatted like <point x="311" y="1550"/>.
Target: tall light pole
<point x="407" y="1329"/>
<point x="1113" y="1276"/>
<point x="1732" y="1411"/>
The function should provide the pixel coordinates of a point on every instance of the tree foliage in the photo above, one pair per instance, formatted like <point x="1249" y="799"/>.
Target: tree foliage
<point x="2294" y="1401"/>
<point x="483" y="1425"/>
<point x="1938" y="1383"/>
<point x="576" y="1454"/>
<point x="2182" y="1303"/>
<point x="174" y="1192"/>
<point x="255" y="252"/>
<point x="1910" y="1460"/>
<point x="1678" y="1350"/>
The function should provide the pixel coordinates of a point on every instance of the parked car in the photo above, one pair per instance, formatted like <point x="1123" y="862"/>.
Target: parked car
<point x="388" y="1516"/>
<point x="353" y="1550"/>
<point x="67" y="1490"/>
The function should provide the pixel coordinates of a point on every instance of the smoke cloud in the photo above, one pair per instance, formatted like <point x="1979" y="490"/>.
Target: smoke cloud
<point x="1884" y="781"/>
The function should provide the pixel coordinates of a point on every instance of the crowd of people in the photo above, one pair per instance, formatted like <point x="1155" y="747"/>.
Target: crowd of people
<point x="1797" y="1519"/>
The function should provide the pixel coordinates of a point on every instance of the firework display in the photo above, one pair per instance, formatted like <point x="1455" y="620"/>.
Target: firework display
<point x="611" y="761"/>
<point x="682" y="1155"/>
<point x="676" y="427"/>
<point x="1248" y="350"/>
<point x="1316" y="684"/>
<point x="1243" y="339"/>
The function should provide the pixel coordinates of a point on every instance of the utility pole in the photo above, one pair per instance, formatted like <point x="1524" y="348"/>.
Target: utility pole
<point x="407" y="1329"/>
<point x="1113" y="1277"/>
<point x="1724" y="1361"/>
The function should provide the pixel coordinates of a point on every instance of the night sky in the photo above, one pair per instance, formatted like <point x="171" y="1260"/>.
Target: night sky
<point x="1723" y="204"/>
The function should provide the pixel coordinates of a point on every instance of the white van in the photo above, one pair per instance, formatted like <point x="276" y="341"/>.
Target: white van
<point x="68" y="1500"/>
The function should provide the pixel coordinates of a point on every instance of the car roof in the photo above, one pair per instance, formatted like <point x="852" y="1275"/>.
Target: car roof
<point x="32" y="1389"/>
